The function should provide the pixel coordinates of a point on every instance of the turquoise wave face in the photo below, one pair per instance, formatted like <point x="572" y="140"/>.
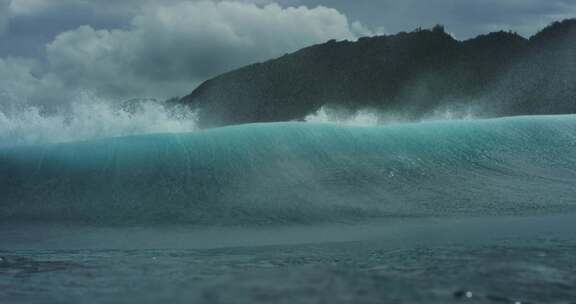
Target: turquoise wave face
<point x="286" y="173"/>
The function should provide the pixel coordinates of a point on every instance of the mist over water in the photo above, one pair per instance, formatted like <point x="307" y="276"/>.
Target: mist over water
<point x="372" y="117"/>
<point x="91" y="118"/>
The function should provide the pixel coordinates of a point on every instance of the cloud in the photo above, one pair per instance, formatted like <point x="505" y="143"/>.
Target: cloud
<point x="23" y="82"/>
<point x="167" y="50"/>
<point x="4" y="15"/>
<point x="466" y="18"/>
<point x="104" y="7"/>
<point x="523" y="16"/>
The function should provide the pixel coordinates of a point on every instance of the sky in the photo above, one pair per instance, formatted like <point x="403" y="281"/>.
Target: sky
<point x="52" y="51"/>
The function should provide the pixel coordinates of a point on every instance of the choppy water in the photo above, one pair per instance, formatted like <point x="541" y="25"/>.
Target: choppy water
<point x="481" y="260"/>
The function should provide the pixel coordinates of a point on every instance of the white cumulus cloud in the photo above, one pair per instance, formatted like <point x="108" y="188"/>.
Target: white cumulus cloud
<point x="23" y="82"/>
<point x="168" y="49"/>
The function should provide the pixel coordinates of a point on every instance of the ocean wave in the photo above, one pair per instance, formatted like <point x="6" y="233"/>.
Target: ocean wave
<point x="298" y="173"/>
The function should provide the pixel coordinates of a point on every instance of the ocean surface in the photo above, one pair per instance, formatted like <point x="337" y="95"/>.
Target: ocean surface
<point x="479" y="211"/>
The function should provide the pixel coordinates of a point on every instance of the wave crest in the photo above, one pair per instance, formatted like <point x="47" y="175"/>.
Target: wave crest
<point x="92" y="118"/>
<point x="298" y="173"/>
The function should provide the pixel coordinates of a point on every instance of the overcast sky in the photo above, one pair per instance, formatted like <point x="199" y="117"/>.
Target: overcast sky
<point x="119" y="49"/>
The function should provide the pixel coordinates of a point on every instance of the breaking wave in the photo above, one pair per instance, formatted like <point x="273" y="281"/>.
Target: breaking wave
<point x="285" y="173"/>
<point x="91" y="120"/>
<point x="371" y="117"/>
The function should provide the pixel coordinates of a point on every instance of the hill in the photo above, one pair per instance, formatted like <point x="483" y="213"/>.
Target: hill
<point x="410" y="74"/>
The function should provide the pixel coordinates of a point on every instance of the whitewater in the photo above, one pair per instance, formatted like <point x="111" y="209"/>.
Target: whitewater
<point x="287" y="212"/>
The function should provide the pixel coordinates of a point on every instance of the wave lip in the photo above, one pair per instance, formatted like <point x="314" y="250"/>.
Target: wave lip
<point x="286" y="173"/>
<point x="92" y="119"/>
